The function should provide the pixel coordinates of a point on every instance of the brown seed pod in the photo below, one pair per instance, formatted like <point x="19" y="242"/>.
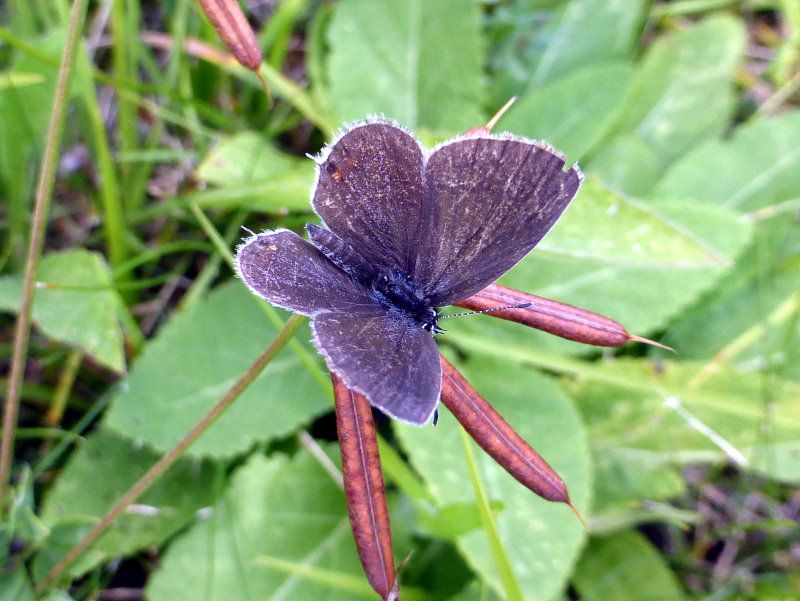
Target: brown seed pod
<point x="364" y="488"/>
<point x="498" y="439"/>
<point x="560" y="319"/>
<point x="230" y="23"/>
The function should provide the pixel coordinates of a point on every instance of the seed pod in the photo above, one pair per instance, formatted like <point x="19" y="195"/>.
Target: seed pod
<point x="230" y="23"/>
<point x="364" y="488"/>
<point x="560" y="319"/>
<point x="498" y="439"/>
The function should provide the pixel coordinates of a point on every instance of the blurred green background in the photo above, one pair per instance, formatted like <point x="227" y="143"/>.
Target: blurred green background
<point x="684" y="117"/>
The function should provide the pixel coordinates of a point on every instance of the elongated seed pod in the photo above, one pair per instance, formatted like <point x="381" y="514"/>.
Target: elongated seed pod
<point x="498" y="439"/>
<point x="560" y="319"/>
<point x="364" y="488"/>
<point x="230" y="23"/>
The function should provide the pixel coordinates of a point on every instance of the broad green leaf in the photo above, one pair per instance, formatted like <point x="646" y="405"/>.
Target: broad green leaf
<point x="104" y="468"/>
<point x="751" y="309"/>
<point x="573" y="112"/>
<point x="535" y="43"/>
<point x="416" y="61"/>
<point x="75" y="303"/>
<point x="685" y="416"/>
<point x="625" y="476"/>
<point x="602" y="225"/>
<point x="639" y="264"/>
<point x="195" y="359"/>
<point x="451" y="521"/>
<point x="625" y="567"/>
<point x="757" y="167"/>
<point x="247" y="170"/>
<point x="780" y="460"/>
<point x="62" y="537"/>
<point x="15" y="585"/>
<point x="477" y="591"/>
<point x="284" y="508"/>
<point x="541" y="538"/>
<point x="681" y="93"/>
<point x="627" y="165"/>
<point x="629" y="405"/>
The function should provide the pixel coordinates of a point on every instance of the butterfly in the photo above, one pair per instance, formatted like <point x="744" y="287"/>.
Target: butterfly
<point x="406" y="232"/>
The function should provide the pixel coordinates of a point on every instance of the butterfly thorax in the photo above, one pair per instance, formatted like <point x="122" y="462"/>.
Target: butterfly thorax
<point x="397" y="291"/>
<point x="392" y="288"/>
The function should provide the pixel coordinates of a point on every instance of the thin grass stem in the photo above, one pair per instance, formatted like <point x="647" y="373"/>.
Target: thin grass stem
<point x="41" y="208"/>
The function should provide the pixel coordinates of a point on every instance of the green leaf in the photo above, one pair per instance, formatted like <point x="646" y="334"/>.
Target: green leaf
<point x="745" y="309"/>
<point x="22" y="521"/>
<point x="639" y="264"/>
<point x="196" y="358"/>
<point x="541" y="538"/>
<point x="618" y="230"/>
<point x="780" y="460"/>
<point x="681" y="93"/>
<point x="103" y="469"/>
<point x="538" y="44"/>
<point x="415" y="61"/>
<point x="757" y="167"/>
<point x="627" y="164"/>
<point x="625" y="567"/>
<point x="278" y="507"/>
<point x="574" y="112"/>
<point x="628" y="406"/>
<point x="477" y="591"/>
<point x="77" y="306"/>
<point x="456" y="519"/>
<point x="625" y="476"/>
<point x="248" y="171"/>
<point x="15" y="585"/>
<point x="62" y="537"/>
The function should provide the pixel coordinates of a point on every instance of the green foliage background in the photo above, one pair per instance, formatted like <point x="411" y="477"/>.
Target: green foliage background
<point x="685" y="230"/>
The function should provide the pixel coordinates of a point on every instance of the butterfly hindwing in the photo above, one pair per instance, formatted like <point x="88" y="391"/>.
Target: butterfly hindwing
<point x="291" y="273"/>
<point x="387" y="358"/>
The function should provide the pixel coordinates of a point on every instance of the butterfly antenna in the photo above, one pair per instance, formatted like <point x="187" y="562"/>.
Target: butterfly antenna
<point x="519" y="306"/>
<point x="499" y="114"/>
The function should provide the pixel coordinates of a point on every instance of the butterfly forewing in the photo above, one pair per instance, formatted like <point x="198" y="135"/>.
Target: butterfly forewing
<point x="495" y="198"/>
<point x="370" y="192"/>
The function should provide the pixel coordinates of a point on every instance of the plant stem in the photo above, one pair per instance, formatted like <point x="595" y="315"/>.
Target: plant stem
<point x="44" y="189"/>
<point x="166" y="461"/>
<point x="499" y="554"/>
<point x="65" y="381"/>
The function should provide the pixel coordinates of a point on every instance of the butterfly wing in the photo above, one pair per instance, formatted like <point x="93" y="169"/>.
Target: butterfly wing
<point x="370" y="192"/>
<point x="495" y="197"/>
<point x="387" y="358"/>
<point x="291" y="273"/>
